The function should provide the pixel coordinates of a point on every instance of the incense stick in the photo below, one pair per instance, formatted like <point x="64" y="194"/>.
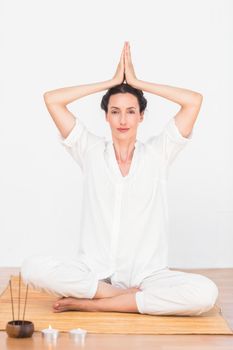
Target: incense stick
<point x="25" y="303"/>
<point x="12" y="304"/>
<point x="19" y="295"/>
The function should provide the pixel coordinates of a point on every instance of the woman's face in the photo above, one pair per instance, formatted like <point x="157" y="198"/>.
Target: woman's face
<point x="123" y="112"/>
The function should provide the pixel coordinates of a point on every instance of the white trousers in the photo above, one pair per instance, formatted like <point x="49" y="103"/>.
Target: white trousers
<point x="165" y="292"/>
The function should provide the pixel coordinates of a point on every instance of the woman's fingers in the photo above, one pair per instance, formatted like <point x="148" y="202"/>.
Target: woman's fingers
<point x="128" y="61"/>
<point x="128" y="54"/>
<point x="122" y="55"/>
<point x="123" y="62"/>
<point x="119" y="76"/>
<point x="129" y="69"/>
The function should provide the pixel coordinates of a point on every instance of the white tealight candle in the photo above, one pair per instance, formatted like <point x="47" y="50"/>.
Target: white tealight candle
<point x="50" y="333"/>
<point x="78" y="334"/>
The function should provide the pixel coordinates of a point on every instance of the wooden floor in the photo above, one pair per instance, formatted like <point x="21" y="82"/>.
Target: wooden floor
<point x="222" y="277"/>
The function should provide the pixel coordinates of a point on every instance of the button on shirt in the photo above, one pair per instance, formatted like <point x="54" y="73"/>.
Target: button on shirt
<point x="124" y="223"/>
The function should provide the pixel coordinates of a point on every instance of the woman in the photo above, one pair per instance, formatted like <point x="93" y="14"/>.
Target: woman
<point x="122" y="259"/>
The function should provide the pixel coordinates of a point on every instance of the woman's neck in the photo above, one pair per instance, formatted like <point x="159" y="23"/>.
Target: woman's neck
<point x="124" y="150"/>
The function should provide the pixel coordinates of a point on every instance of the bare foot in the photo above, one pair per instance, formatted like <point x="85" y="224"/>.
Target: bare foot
<point x="70" y="304"/>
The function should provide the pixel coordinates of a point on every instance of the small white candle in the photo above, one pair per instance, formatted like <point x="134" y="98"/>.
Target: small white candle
<point x="50" y="333"/>
<point x="78" y="334"/>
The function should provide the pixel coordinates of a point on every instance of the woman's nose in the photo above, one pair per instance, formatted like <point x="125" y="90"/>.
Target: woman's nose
<point x="123" y="119"/>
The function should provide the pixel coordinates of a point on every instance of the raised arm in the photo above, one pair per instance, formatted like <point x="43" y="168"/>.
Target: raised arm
<point x="190" y="101"/>
<point x="56" y="100"/>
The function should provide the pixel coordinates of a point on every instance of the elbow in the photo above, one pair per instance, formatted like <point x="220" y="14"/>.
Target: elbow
<point x="198" y="99"/>
<point x="47" y="97"/>
<point x="200" y="96"/>
<point x="194" y="101"/>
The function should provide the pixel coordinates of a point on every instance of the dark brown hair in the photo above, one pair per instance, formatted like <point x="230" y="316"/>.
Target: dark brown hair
<point x="123" y="88"/>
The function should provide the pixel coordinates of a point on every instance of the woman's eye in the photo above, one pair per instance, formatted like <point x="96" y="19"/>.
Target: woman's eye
<point x="115" y="112"/>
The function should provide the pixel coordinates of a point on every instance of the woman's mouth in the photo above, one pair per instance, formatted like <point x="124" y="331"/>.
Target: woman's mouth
<point x="123" y="129"/>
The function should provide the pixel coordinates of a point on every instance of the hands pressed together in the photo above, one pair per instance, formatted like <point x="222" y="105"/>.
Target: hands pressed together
<point x="125" y="69"/>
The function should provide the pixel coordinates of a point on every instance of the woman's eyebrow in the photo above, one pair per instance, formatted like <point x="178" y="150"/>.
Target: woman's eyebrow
<point x="119" y="108"/>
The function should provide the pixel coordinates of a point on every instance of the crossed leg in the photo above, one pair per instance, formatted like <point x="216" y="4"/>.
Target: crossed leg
<point x="166" y="292"/>
<point x="77" y="287"/>
<point x="123" y="302"/>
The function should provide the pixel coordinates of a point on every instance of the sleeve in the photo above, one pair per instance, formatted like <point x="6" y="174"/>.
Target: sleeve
<point x="169" y="143"/>
<point x="79" y="141"/>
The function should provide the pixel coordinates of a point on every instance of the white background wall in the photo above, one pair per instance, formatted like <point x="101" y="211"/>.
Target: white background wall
<point x="51" y="44"/>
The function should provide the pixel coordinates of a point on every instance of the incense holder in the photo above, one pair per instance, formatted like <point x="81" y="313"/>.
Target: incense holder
<point x="20" y="329"/>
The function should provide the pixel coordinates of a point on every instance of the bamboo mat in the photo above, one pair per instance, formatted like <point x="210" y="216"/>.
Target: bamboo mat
<point x="39" y="311"/>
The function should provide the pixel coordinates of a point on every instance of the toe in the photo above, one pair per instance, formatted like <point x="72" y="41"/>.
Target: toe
<point x="63" y="303"/>
<point x="56" y="305"/>
<point x="60" y="310"/>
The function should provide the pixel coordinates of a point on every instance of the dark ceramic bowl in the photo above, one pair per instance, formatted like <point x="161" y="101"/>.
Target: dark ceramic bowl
<point x="20" y="329"/>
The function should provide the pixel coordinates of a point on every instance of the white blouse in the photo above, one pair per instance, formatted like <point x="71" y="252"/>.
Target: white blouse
<point x="124" y="223"/>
